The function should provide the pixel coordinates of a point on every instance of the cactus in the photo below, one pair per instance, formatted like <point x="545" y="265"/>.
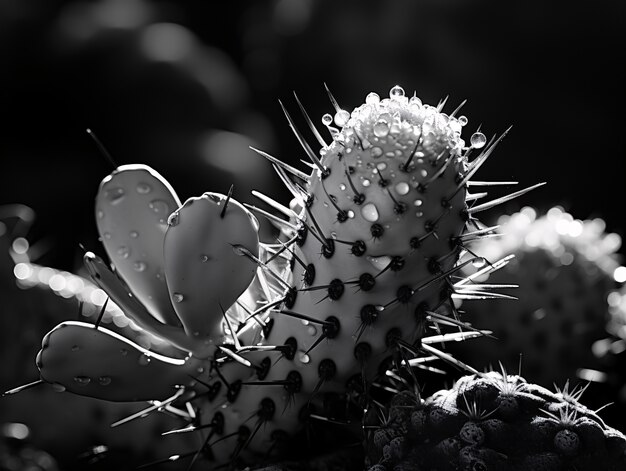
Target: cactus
<point x="565" y="271"/>
<point x="263" y="338"/>
<point x="494" y="421"/>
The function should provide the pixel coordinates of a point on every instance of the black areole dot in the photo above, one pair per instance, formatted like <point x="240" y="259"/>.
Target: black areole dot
<point x="309" y="274"/>
<point x="415" y="243"/>
<point x="291" y="345"/>
<point x="396" y="264"/>
<point x="366" y="282"/>
<point x="290" y="297"/>
<point x="358" y="248"/>
<point x="392" y="337"/>
<point x="294" y="384"/>
<point x="233" y="391"/>
<point x="302" y="233"/>
<point x="404" y="294"/>
<point x="328" y="249"/>
<point x="331" y="327"/>
<point x="369" y="314"/>
<point x="377" y="230"/>
<point x="358" y="199"/>
<point x="335" y="289"/>
<point x="327" y="369"/>
<point x="362" y="352"/>
<point x="263" y="368"/>
<point x="267" y="409"/>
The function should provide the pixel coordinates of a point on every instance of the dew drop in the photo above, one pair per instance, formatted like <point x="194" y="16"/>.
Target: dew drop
<point x="478" y="140"/>
<point x="304" y="358"/>
<point x="204" y="258"/>
<point x="381" y="166"/>
<point x="200" y="369"/>
<point x="104" y="380"/>
<point x="372" y="98"/>
<point x="134" y="234"/>
<point x="342" y="187"/>
<point x="402" y="188"/>
<point x="342" y="117"/>
<point x="144" y="360"/>
<point x="419" y="214"/>
<point x="178" y="298"/>
<point x="312" y="330"/>
<point x="376" y="152"/>
<point x="366" y="182"/>
<point x="333" y="235"/>
<point x="159" y="207"/>
<point x="479" y="262"/>
<point x="82" y="380"/>
<point x="369" y="212"/>
<point x="114" y="195"/>
<point x="75" y="348"/>
<point x="173" y="219"/>
<point x="107" y="235"/>
<point x="160" y="276"/>
<point x="415" y="101"/>
<point x="423" y="173"/>
<point x="462" y="120"/>
<point x="100" y="214"/>
<point x="143" y="188"/>
<point x="381" y="128"/>
<point x="418" y="202"/>
<point x="396" y="92"/>
<point x="327" y="119"/>
<point x="58" y="387"/>
<point x="139" y="266"/>
<point x="351" y="214"/>
<point x="123" y="252"/>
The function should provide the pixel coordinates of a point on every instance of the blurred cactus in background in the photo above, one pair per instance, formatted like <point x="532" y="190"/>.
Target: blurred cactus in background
<point x="565" y="270"/>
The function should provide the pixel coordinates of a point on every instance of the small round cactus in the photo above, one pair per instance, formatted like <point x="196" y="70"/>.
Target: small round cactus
<point x="493" y="421"/>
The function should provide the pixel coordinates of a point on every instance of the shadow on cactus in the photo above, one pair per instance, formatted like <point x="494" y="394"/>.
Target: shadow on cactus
<point x="262" y="341"/>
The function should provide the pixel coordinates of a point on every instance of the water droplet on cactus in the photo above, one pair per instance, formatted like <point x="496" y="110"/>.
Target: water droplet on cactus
<point x="418" y="202"/>
<point x="366" y="182"/>
<point x="177" y="297"/>
<point x="380" y="263"/>
<point x="75" y="348"/>
<point x="173" y="219"/>
<point x="58" y="387"/>
<point x="479" y="262"/>
<point x="351" y="214"/>
<point x="342" y="117"/>
<point x="100" y="214"/>
<point x="381" y="166"/>
<point x="419" y="214"/>
<point x="204" y="258"/>
<point x="143" y="188"/>
<point x="415" y="101"/>
<point x="160" y="275"/>
<point x="312" y="330"/>
<point x="402" y="188"/>
<point x="396" y="92"/>
<point x="381" y="128"/>
<point x="134" y="234"/>
<point x="104" y="380"/>
<point x="372" y="98"/>
<point x="139" y="266"/>
<point x="327" y="119"/>
<point x="370" y="212"/>
<point x="478" y="140"/>
<point x="200" y="369"/>
<point x="107" y="235"/>
<point x="114" y="195"/>
<point x="376" y="152"/>
<point x="159" y="207"/>
<point x="144" y="360"/>
<point x="123" y="251"/>
<point x="304" y="358"/>
<point x="333" y="235"/>
<point x="462" y="120"/>
<point x="82" y="380"/>
<point x="342" y="187"/>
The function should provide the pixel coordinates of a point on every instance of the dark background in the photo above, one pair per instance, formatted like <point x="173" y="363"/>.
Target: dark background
<point x="159" y="82"/>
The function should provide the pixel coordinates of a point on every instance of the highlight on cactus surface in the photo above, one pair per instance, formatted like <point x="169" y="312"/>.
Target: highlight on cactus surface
<point x="262" y="344"/>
